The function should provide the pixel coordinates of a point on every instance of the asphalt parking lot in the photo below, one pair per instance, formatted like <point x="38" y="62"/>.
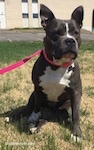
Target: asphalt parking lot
<point x="33" y="35"/>
<point x="17" y="35"/>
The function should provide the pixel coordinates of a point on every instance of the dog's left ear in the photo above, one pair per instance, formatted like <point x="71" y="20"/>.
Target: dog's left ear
<point x="46" y="15"/>
<point x="78" y="15"/>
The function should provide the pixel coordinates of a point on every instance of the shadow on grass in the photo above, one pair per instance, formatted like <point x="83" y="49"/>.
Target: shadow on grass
<point x="48" y="114"/>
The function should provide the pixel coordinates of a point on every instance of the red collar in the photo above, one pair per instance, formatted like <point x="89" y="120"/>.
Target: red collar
<point x="65" y="65"/>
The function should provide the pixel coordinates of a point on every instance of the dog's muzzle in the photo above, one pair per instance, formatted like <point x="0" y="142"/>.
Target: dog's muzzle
<point x="67" y="49"/>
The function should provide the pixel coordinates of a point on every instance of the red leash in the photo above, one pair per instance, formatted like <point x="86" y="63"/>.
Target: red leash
<point x="23" y="61"/>
<point x="19" y="63"/>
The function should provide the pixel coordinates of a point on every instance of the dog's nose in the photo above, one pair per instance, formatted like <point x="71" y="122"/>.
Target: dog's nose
<point x="70" y="42"/>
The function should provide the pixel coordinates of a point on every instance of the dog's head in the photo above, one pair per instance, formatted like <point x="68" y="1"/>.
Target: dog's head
<point x="62" y="38"/>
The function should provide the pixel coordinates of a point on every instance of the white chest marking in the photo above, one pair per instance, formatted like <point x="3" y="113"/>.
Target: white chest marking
<point x="54" y="82"/>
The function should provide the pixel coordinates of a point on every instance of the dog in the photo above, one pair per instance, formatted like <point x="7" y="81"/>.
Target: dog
<point x="56" y="73"/>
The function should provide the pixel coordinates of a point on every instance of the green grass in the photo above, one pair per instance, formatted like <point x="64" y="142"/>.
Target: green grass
<point x="14" y="51"/>
<point x="90" y="91"/>
<point x="50" y="143"/>
<point x="87" y="46"/>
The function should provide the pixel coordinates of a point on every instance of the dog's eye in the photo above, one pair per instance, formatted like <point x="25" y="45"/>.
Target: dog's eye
<point x="76" y="32"/>
<point x="56" y="32"/>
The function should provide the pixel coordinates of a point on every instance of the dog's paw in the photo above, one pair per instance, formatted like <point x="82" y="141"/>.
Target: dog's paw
<point x="34" y="117"/>
<point x="8" y="119"/>
<point x="32" y="128"/>
<point x="76" y="138"/>
<point x="76" y="134"/>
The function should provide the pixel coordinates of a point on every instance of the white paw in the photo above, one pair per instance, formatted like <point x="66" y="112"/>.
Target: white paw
<point x="33" y="128"/>
<point x="76" y="138"/>
<point x="34" y="117"/>
<point x="7" y="119"/>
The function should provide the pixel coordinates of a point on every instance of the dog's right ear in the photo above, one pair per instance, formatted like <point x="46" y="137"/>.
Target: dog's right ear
<point x="78" y="15"/>
<point x="46" y="15"/>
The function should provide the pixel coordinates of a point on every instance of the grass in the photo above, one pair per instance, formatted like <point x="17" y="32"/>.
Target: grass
<point x="90" y="91"/>
<point x="87" y="46"/>
<point x="14" y="51"/>
<point x="15" y="89"/>
<point x="49" y="143"/>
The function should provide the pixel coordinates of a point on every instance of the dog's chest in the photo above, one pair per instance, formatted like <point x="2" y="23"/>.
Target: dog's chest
<point x="54" y="82"/>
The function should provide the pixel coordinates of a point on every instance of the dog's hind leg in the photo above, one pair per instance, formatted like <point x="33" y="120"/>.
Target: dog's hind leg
<point x="23" y="111"/>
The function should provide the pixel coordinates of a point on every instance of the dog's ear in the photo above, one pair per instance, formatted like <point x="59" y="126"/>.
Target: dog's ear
<point x="46" y="15"/>
<point x="78" y="15"/>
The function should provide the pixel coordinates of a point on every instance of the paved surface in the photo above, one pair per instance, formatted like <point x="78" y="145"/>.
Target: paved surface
<point x="87" y="37"/>
<point x="33" y="35"/>
<point x="21" y="36"/>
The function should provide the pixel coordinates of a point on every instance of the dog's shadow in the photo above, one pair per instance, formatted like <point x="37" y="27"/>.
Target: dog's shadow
<point x="50" y="115"/>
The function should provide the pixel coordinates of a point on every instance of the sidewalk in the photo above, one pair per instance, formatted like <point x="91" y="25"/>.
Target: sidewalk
<point x="21" y="35"/>
<point x="34" y="35"/>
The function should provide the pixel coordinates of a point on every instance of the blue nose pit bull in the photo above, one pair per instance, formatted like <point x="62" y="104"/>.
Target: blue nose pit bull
<point x="56" y="74"/>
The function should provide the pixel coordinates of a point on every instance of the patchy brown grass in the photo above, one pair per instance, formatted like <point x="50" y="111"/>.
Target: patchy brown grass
<point x="15" y="89"/>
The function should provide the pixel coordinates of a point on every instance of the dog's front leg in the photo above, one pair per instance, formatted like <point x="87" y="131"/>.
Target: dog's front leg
<point x="34" y="117"/>
<point x="75" y="105"/>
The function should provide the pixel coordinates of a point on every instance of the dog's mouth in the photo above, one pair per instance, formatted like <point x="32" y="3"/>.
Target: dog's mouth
<point x="68" y="57"/>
